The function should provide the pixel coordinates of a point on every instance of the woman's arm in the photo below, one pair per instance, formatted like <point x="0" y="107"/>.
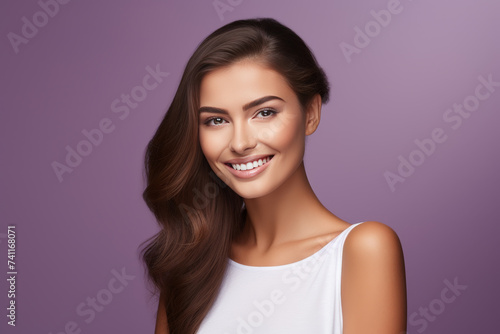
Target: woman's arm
<point x="161" y="318"/>
<point x="373" y="281"/>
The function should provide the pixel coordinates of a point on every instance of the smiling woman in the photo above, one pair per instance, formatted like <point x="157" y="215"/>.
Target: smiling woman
<point x="261" y="251"/>
<point x="258" y="118"/>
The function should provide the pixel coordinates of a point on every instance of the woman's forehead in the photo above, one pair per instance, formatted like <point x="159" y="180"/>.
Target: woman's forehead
<point x="241" y="83"/>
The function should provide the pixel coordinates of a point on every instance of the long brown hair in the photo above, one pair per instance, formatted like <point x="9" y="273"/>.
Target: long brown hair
<point x="198" y="214"/>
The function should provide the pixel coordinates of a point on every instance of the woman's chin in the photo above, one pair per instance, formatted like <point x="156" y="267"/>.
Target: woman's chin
<point x="252" y="191"/>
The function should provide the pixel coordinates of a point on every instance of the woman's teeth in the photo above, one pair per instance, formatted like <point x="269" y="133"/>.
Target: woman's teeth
<point x="251" y="165"/>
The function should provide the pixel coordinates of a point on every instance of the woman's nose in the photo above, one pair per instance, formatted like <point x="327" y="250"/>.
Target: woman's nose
<point x="243" y="138"/>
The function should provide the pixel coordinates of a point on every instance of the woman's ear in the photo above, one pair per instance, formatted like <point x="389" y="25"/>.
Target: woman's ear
<point x="313" y="114"/>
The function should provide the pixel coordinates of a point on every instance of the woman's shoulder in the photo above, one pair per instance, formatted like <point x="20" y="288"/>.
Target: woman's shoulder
<point x="371" y="236"/>
<point x="372" y="249"/>
<point x="373" y="279"/>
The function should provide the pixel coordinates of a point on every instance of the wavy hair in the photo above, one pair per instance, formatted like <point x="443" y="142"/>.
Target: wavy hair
<point x="198" y="214"/>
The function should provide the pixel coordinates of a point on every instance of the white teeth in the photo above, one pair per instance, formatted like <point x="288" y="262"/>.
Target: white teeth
<point x="251" y="165"/>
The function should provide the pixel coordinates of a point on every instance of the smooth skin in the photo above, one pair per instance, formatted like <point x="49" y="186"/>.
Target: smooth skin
<point x="286" y="222"/>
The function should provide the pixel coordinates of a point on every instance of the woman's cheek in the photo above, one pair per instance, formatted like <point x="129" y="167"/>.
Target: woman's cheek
<point x="284" y="132"/>
<point x="206" y="145"/>
<point x="212" y="144"/>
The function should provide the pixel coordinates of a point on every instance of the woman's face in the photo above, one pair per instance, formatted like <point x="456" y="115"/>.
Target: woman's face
<point x="251" y="127"/>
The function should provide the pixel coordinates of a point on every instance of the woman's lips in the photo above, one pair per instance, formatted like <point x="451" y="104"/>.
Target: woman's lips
<point x="248" y="168"/>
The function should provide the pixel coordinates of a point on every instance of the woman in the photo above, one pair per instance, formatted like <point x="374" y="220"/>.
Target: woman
<point x="245" y="246"/>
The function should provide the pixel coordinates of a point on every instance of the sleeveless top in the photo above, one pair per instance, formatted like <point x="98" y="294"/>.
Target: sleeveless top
<point x="299" y="297"/>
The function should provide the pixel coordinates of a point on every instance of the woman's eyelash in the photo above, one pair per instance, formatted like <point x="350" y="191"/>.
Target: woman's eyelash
<point x="210" y="119"/>
<point x="270" y="111"/>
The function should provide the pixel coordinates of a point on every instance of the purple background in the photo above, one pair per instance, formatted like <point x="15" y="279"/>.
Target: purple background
<point x="71" y="235"/>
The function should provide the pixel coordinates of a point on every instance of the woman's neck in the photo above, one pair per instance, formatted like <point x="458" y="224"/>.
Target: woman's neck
<point x="289" y="213"/>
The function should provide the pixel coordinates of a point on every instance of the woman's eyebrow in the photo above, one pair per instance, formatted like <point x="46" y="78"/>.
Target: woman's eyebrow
<point x="247" y="106"/>
<point x="261" y="100"/>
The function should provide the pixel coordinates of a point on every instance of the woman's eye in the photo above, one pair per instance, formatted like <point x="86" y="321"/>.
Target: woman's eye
<point x="215" y="121"/>
<point x="266" y="113"/>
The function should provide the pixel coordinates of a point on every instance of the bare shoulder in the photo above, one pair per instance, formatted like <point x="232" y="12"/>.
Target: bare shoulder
<point x="371" y="237"/>
<point x="373" y="280"/>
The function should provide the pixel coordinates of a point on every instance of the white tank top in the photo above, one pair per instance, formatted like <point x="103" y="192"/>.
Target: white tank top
<point x="300" y="297"/>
